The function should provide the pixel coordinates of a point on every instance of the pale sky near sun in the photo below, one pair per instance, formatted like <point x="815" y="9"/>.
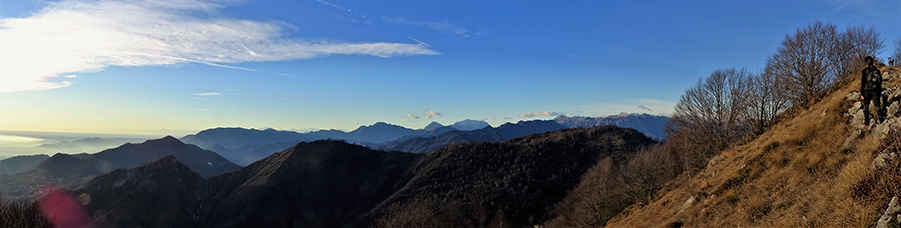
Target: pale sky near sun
<point x="157" y="67"/>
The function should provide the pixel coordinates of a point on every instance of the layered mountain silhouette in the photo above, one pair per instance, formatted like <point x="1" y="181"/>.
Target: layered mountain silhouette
<point x="469" y="125"/>
<point x="115" y="198"/>
<point x="486" y="134"/>
<point x="244" y="146"/>
<point x="650" y="125"/>
<point x="21" y="163"/>
<point x="70" y="170"/>
<point x="336" y="184"/>
<point x="203" y="162"/>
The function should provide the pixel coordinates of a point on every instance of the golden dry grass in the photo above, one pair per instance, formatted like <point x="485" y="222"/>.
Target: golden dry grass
<point x="794" y="175"/>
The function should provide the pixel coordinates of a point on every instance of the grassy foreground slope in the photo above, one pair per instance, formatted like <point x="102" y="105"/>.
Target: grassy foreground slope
<point x="794" y="175"/>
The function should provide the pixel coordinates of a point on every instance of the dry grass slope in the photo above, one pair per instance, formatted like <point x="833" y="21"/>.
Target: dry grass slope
<point x="794" y="175"/>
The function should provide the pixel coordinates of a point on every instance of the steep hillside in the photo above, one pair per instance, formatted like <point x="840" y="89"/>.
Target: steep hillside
<point x="317" y="184"/>
<point x="164" y="193"/>
<point x="801" y="173"/>
<point x="516" y="180"/>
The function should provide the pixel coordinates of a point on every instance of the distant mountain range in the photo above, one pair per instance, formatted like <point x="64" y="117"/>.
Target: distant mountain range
<point x="487" y="134"/>
<point x="336" y="184"/>
<point x="244" y="146"/>
<point x="650" y="125"/>
<point x="70" y="170"/>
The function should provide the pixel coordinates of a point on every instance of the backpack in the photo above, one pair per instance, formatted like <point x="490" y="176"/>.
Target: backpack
<point x="873" y="78"/>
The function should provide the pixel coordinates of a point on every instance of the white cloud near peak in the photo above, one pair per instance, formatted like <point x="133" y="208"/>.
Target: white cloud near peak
<point x="432" y="113"/>
<point x="411" y="116"/>
<point x="538" y="114"/>
<point x="88" y="36"/>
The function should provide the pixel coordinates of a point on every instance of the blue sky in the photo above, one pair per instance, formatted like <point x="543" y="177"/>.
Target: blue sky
<point x="161" y="67"/>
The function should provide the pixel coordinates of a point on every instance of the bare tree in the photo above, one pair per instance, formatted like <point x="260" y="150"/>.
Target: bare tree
<point x="709" y="117"/>
<point x="767" y="97"/>
<point x="852" y="46"/>
<point x="804" y="60"/>
<point x="646" y="173"/>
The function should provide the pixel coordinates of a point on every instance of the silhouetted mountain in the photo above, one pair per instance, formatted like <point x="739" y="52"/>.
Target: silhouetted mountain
<point x="244" y="146"/>
<point x="318" y="184"/>
<point x="379" y="132"/>
<point x="486" y="134"/>
<point x="432" y="126"/>
<point x="21" y="163"/>
<point x="336" y="184"/>
<point x="520" y="177"/>
<point x="650" y="125"/>
<point x="163" y="193"/>
<point x="64" y="166"/>
<point x="231" y="138"/>
<point x="469" y="125"/>
<point x="204" y="162"/>
<point x="523" y="128"/>
<point x="428" y="144"/>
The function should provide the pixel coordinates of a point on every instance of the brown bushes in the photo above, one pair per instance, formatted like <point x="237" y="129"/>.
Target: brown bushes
<point x="21" y="214"/>
<point x="884" y="182"/>
<point x="608" y="188"/>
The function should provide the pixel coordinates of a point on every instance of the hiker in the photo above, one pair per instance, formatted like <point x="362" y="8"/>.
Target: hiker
<point x="871" y="90"/>
<point x="891" y="61"/>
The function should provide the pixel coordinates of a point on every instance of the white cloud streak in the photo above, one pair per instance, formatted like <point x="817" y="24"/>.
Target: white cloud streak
<point x="432" y="113"/>
<point x="88" y="36"/>
<point x="440" y="26"/>
<point x="207" y="94"/>
<point x="538" y="114"/>
<point x="419" y="41"/>
<point x="411" y="116"/>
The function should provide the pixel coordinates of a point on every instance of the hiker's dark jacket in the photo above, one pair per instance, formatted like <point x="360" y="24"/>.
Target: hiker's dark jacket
<point x="870" y="79"/>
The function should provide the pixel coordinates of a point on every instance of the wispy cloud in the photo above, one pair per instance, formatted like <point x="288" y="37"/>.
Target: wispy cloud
<point x="411" y="116"/>
<point x="538" y="114"/>
<point x="70" y="76"/>
<point x="440" y="26"/>
<point x="341" y="8"/>
<point x="419" y="41"/>
<point x="432" y="113"/>
<point x="87" y="36"/>
<point x="333" y="5"/>
<point x="866" y="7"/>
<point x="207" y="94"/>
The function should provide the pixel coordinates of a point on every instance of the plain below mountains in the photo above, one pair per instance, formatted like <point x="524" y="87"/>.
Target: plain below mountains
<point x="336" y="184"/>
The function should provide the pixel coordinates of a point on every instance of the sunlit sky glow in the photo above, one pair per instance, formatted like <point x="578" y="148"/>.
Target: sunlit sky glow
<point x="178" y="66"/>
